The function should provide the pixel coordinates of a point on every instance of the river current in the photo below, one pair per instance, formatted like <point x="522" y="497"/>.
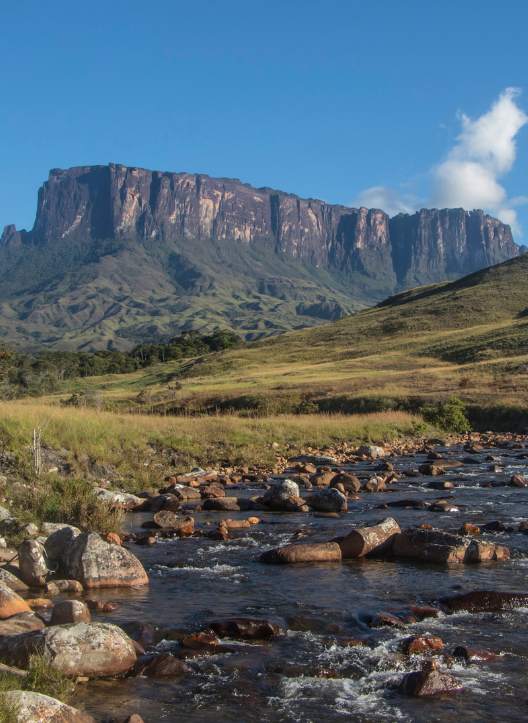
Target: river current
<point x="306" y="674"/>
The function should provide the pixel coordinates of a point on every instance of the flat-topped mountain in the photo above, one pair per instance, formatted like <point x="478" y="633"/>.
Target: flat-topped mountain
<point x="121" y="254"/>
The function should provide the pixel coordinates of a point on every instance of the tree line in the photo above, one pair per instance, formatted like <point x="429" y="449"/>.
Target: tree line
<point x="22" y="374"/>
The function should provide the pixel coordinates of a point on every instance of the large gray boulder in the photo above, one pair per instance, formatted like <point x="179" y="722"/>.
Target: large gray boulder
<point x="88" y="649"/>
<point x="279" y="494"/>
<point x="370" y="450"/>
<point x="328" y="500"/>
<point x="96" y="563"/>
<point x="33" y="563"/>
<point x="38" y="708"/>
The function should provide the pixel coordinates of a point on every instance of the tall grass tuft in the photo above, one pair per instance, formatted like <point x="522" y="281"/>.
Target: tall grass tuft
<point x="70" y="501"/>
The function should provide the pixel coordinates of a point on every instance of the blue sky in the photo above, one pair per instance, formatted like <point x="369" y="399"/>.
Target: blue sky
<point x="323" y="99"/>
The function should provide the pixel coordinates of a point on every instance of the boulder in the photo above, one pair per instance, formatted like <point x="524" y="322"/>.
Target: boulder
<point x="21" y="623"/>
<point x="183" y="494"/>
<point x="376" y="540"/>
<point x="161" y="502"/>
<point x="303" y="552"/>
<point x="12" y="581"/>
<point x="10" y="602"/>
<point x="374" y="484"/>
<point x="246" y="628"/>
<point x="212" y="491"/>
<point x="160" y="666"/>
<point x="235" y="524"/>
<point x="428" y="682"/>
<point x="169" y="521"/>
<point x="38" y="708"/>
<point x="472" y="655"/>
<point x="87" y="649"/>
<point x="56" y="587"/>
<point x="517" y="480"/>
<point x="70" y="611"/>
<point x="430" y="546"/>
<point x="350" y="482"/>
<point x="371" y="451"/>
<point x="277" y="495"/>
<point x="328" y="500"/>
<point x="322" y="479"/>
<point x="484" y="600"/>
<point x="33" y="564"/>
<point x="222" y="504"/>
<point x="58" y="542"/>
<point x="95" y="563"/>
<point x="119" y="500"/>
<point x="479" y="551"/>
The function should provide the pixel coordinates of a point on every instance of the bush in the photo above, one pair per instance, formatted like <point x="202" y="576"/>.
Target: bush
<point x="448" y="415"/>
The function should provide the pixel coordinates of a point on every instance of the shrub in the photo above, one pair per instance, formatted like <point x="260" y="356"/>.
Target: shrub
<point x="448" y="415"/>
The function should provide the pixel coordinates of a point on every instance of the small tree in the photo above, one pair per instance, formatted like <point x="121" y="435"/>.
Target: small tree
<point x="448" y="415"/>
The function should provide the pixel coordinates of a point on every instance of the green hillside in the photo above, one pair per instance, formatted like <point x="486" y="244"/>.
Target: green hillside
<point x="113" y="295"/>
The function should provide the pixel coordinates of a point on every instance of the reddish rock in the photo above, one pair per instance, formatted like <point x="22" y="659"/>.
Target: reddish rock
<point x="112" y="538"/>
<point x="428" y="682"/>
<point x="517" y="480"/>
<point x="11" y="603"/>
<point x="421" y="644"/>
<point x="212" y="491"/>
<point x="384" y="620"/>
<point x="469" y="529"/>
<point x="472" y="655"/>
<point x="376" y="540"/>
<point x="431" y="546"/>
<point x="303" y="552"/>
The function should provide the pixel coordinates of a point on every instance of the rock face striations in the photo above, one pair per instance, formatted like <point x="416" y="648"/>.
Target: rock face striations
<point x="116" y="202"/>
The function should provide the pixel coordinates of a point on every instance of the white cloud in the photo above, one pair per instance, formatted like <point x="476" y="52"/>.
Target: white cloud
<point x="469" y="175"/>
<point x="391" y="201"/>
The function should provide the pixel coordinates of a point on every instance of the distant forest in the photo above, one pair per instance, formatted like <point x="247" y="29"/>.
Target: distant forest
<point x="35" y="375"/>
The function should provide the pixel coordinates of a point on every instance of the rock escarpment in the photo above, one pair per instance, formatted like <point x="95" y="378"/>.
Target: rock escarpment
<point x="115" y="202"/>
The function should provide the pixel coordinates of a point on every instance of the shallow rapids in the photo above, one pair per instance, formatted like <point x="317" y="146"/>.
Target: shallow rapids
<point x="307" y="675"/>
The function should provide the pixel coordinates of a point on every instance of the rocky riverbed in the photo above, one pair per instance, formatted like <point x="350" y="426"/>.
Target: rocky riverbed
<point x="378" y="626"/>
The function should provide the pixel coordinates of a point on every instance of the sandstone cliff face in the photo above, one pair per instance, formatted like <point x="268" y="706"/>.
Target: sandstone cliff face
<point x="116" y="202"/>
